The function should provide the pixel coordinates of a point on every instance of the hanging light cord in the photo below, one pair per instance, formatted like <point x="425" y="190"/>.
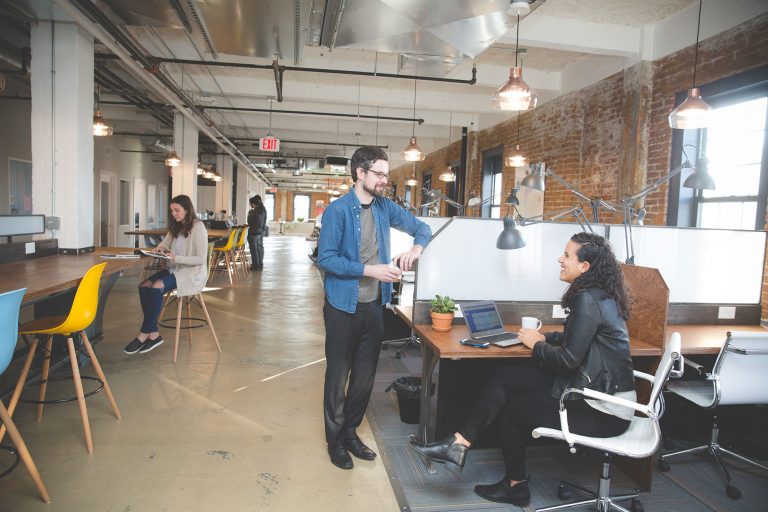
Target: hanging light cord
<point x="448" y="149"/>
<point x="518" y="129"/>
<point x="517" y="39"/>
<point x="413" y="124"/>
<point x="696" y="48"/>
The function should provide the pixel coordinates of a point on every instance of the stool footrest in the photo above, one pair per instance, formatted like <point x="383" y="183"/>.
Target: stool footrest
<point x="13" y="451"/>
<point x="61" y="400"/>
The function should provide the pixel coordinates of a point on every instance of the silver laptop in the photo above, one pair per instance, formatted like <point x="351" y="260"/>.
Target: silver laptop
<point x="484" y="324"/>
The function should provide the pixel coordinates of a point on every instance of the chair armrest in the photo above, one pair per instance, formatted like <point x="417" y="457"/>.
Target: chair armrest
<point x="748" y="351"/>
<point x="643" y="375"/>
<point x="604" y="397"/>
<point x="696" y="366"/>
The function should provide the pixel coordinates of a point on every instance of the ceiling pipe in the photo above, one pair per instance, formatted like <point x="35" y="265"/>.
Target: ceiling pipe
<point x="296" y="112"/>
<point x="165" y="89"/>
<point x="193" y="62"/>
<point x="278" y="80"/>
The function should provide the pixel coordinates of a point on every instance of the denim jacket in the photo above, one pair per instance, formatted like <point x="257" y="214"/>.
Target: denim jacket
<point x="338" y="251"/>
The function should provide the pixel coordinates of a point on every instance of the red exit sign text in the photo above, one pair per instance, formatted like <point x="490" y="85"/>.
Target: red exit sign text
<point x="269" y="144"/>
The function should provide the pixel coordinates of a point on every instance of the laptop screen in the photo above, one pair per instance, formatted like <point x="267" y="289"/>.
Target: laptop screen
<point x="482" y="317"/>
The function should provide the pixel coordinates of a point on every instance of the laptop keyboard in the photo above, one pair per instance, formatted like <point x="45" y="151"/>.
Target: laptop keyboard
<point x="502" y="336"/>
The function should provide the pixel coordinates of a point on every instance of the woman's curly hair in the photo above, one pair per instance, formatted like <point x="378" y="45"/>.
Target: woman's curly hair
<point x="604" y="272"/>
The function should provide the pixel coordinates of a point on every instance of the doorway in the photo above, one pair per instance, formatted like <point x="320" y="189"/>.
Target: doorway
<point x="107" y="211"/>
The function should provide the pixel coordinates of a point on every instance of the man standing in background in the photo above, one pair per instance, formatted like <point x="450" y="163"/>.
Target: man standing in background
<point x="353" y="250"/>
<point x="257" y="222"/>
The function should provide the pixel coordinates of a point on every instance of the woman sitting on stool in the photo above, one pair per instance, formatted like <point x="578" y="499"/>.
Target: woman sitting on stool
<point x="186" y="246"/>
<point x="592" y="352"/>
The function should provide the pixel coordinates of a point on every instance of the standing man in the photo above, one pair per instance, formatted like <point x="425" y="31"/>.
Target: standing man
<point x="354" y="252"/>
<point x="257" y="222"/>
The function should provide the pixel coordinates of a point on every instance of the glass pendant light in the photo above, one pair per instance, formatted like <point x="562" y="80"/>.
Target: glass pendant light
<point x="516" y="159"/>
<point x="100" y="127"/>
<point x="411" y="181"/>
<point x="515" y="94"/>
<point x="693" y="113"/>
<point x="173" y="159"/>
<point x="448" y="174"/>
<point x="412" y="152"/>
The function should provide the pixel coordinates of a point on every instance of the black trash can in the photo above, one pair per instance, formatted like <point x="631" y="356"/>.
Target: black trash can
<point x="408" y="393"/>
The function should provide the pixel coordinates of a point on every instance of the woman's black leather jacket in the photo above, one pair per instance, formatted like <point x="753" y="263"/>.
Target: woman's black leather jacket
<point x="593" y="349"/>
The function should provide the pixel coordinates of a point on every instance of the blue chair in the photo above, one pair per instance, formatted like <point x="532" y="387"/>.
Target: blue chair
<point x="10" y="302"/>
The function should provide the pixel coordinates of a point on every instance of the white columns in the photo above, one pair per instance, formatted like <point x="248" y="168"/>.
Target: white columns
<point x="185" y="143"/>
<point x="62" y="130"/>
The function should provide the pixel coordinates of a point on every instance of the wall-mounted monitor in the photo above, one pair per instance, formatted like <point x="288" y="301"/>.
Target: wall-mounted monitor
<point x="15" y="225"/>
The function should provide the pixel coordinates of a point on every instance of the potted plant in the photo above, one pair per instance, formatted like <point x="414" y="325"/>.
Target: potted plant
<point x="442" y="311"/>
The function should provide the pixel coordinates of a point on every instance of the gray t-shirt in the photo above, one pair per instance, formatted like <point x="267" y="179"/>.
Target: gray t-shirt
<point x="369" y="255"/>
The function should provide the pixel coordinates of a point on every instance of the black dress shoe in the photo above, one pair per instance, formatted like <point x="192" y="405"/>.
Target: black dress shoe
<point x="357" y="448"/>
<point x="445" y="451"/>
<point x="339" y="456"/>
<point x="502" y="492"/>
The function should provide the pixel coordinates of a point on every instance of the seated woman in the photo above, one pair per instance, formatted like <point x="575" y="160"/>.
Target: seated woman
<point x="591" y="352"/>
<point x="186" y="246"/>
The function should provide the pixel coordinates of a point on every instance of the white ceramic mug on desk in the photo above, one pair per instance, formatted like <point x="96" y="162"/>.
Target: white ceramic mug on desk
<point x="529" y="322"/>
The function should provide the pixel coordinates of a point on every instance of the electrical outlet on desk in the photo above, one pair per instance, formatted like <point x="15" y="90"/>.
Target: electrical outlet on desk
<point x="726" y="312"/>
<point x="558" y="311"/>
<point x="29" y="248"/>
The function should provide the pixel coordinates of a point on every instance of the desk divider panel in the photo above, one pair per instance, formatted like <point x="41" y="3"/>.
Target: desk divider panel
<point x="648" y="319"/>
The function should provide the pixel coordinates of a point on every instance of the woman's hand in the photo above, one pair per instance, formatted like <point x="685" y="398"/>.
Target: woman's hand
<point x="530" y="337"/>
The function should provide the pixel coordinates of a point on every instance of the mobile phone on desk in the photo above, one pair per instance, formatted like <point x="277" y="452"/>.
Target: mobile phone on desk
<point x="473" y="343"/>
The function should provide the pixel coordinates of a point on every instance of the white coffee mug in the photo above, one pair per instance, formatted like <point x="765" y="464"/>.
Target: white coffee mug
<point x="530" y="322"/>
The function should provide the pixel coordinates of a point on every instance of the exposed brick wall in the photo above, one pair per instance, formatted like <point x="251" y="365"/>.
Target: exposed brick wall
<point x="612" y="138"/>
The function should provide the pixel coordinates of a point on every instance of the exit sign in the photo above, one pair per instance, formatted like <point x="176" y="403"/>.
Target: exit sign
<point x="269" y="144"/>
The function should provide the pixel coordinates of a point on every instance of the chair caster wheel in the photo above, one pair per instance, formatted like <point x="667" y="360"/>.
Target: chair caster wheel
<point x="663" y="465"/>
<point x="733" y="492"/>
<point x="636" y="506"/>
<point x="563" y="492"/>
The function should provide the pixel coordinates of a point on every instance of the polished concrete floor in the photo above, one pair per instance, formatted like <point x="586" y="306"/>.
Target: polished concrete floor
<point x="240" y="431"/>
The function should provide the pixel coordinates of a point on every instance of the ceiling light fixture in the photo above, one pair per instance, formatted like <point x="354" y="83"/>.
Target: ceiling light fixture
<point x="693" y="113"/>
<point x="515" y="94"/>
<point x="100" y="127"/>
<point x="173" y="159"/>
<point x="517" y="159"/>
<point x="412" y="152"/>
<point x="412" y="181"/>
<point x="448" y="174"/>
<point x="518" y="8"/>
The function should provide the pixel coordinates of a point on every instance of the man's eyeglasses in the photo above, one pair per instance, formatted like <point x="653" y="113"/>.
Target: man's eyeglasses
<point x="380" y="175"/>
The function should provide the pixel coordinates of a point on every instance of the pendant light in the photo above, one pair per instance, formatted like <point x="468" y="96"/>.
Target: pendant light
<point x="412" y="152"/>
<point x="517" y="159"/>
<point x="412" y="181"/>
<point x="515" y="94"/>
<point x="173" y="159"/>
<point x="448" y="174"/>
<point x="100" y="127"/>
<point x="694" y="112"/>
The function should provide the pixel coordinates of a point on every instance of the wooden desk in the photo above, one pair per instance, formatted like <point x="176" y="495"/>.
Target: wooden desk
<point x="212" y="233"/>
<point x="51" y="275"/>
<point x="696" y="339"/>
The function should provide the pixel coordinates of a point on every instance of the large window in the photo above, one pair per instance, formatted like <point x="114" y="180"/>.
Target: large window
<point x="736" y="149"/>
<point x="734" y="146"/>
<point x="269" y="204"/>
<point x="493" y="182"/>
<point x="300" y="207"/>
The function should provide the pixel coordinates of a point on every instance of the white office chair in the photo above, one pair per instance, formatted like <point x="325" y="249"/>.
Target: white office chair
<point x="740" y="376"/>
<point x="640" y="440"/>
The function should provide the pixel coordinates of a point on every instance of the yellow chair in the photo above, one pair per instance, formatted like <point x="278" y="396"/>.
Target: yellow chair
<point x="226" y="251"/>
<point x="188" y="300"/>
<point x="81" y="315"/>
<point x="240" y="254"/>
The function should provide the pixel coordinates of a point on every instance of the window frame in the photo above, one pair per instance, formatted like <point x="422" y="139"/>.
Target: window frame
<point x="684" y="205"/>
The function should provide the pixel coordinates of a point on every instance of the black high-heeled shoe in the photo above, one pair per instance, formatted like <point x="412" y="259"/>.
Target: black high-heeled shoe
<point x="446" y="451"/>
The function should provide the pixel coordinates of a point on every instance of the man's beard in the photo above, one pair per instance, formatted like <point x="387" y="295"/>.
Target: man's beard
<point x="375" y="192"/>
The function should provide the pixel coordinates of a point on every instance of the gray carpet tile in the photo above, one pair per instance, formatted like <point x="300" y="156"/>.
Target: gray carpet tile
<point x="693" y="485"/>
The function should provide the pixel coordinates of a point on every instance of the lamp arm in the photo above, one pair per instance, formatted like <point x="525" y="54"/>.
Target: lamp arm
<point x="567" y="185"/>
<point x="553" y="215"/>
<point x="656" y="184"/>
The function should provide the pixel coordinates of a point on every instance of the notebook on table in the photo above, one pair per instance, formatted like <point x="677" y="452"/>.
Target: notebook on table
<point x="484" y="324"/>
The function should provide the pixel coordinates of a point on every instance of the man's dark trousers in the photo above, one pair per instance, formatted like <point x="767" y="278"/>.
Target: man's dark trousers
<point x="352" y="345"/>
